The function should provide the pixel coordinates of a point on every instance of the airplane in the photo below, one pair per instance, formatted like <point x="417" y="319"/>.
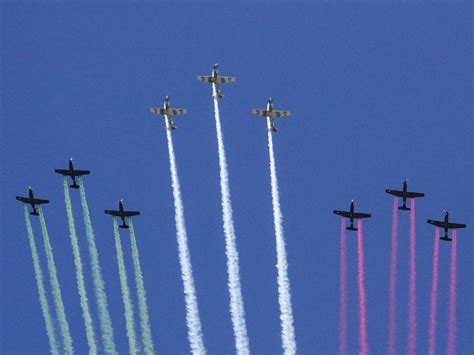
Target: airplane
<point x="352" y="215"/>
<point x="216" y="80"/>
<point x="32" y="201"/>
<point x="405" y="194"/>
<point x="72" y="173"/>
<point x="168" y="112"/>
<point x="122" y="214"/>
<point x="270" y="114"/>
<point x="446" y="225"/>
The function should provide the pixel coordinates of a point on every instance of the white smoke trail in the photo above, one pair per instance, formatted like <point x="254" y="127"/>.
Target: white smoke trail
<point x="192" y="312"/>
<point x="56" y="288"/>
<point x="141" y="293"/>
<point x="127" y="302"/>
<point x="237" y="309"/>
<point x="81" y="288"/>
<point x="97" y="279"/>
<point x="53" y="345"/>
<point x="284" y="295"/>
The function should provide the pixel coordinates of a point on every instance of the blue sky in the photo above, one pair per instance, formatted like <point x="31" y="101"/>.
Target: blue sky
<point x="378" y="92"/>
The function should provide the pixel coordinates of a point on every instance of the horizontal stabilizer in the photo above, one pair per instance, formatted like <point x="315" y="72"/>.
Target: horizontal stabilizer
<point x="446" y="238"/>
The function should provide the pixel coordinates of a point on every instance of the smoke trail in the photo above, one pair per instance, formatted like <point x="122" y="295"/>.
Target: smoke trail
<point x="81" y="288"/>
<point x="99" y="286"/>
<point x="392" y="308"/>
<point x="237" y="310"/>
<point x="53" y="345"/>
<point x="364" y="346"/>
<point x="412" y="284"/>
<point x="434" y="295"/>
<point x="55" y="287"/>
<point x="451" y="348"/>
<point x="343" y="292"/>
<point x="127" y="302"/>
<point x="284" y="295"/>
<point x="192" y="312"/>
<point x="142" y="306"/>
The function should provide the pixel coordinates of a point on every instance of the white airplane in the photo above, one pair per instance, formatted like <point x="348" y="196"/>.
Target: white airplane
<point x="168" y="112"/>
<point x="216" y="79"/>
<point x="270" y="114"/>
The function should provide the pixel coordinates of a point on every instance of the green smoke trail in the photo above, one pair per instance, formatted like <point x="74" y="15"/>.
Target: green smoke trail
<point x="142" y="306"/>
<point x="127" y="302"/>
<point x="81" y="288"/>
<point x="53" y="345"/>
<point x="55" y="287"/>
<point x="99" y="286"/>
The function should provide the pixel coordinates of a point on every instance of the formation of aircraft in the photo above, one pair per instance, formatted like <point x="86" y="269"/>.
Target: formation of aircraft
<point x="352" y="215"/>
<point x="31" y="200"/>
<point x="270" y="114"/>
<point x="446" y="225"/>
<point x="168" y="112"/>
<point x="122" y="214"/>
<point x="217" y="80"/>
<point x="71" y="172"/>
<point x="404" y="194"/>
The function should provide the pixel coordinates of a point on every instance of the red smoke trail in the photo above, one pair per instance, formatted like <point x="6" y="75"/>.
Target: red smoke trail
<point x="392" y="308"/>
<point x="364" y="347"/>
<point x="452" y="298"/>
<point x="343" y="292"/>
<point x="412" y="284"/>
<point x="434" y="295"/>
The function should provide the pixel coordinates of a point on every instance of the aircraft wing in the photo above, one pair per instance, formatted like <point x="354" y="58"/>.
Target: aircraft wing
<point x="169" y="112"/>
<point x="81" y="172"/>
<point x="62" y="171"/>
<point x="226" y="79"/>
<point x="456" y="225"/>
<point x="113" y="213"/>
<point x="72" y="172"/>
<point x="259" y="112"/>
<point x="362" y="215"/>
<point x="273" y="113"/>
<point x="130" y="213"/>
<point x="176" y="111"/>
<point x="436" y="223"/>
<point x="394" y="192"/>
<point x="342" y="213"/>
<point x="35" y="201"/>
<point x="205" y="79"/>
<point x="415" y="194"/>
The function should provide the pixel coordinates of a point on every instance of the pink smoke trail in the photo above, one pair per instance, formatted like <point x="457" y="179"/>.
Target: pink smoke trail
<point x="392" y="308"/>
<point x="364" y="347"/>
<point x="412" y="284"/>
<point x="343" y="292"/>
<point x="434" y="295"/>
<point x="452" y="298"/>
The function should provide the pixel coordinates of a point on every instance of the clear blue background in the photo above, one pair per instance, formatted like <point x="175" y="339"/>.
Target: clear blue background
<point x="378" y="93"/>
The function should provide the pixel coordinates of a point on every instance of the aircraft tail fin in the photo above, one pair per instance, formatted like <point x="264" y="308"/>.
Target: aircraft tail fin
<point x="446" y="238"/>
<point x="404" y="208"/>
<point x="34" y="213"/>
<point x="351" y="228"/>
<point x="74" y="186"/>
